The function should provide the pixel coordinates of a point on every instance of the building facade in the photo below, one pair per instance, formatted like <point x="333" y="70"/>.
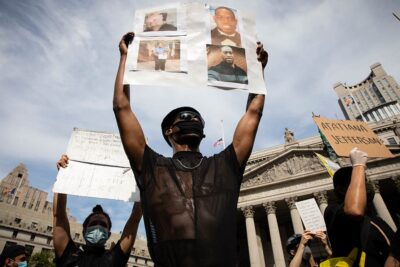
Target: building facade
<point x="373" y="99"/>
<point x="26" y="218"/>
<point x="277" y="177"/>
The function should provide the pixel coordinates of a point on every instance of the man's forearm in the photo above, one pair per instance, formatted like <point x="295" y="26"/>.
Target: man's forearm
<point x="121" y="96"/>
<point x="60" y="205"/>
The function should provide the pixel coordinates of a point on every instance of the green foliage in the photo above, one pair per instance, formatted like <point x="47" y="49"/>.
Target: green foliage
<point x="42" y="259"/>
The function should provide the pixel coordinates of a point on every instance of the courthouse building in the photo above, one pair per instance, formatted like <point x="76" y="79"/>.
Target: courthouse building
<point x="26" y="218"/>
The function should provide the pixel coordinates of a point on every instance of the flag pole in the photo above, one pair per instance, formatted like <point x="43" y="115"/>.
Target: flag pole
<point x="223" y="134"/>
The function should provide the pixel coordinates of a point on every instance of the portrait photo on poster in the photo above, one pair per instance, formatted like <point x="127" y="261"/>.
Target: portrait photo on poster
<point x="225" y="26"/>
<point x="159" y="55"/>
<point x="167" y="20"/>
<point x="161" y="20"/>
<point x="227" y="66"/>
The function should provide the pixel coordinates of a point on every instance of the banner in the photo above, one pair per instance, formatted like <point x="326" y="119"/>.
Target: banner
<point x="345" y="135"/>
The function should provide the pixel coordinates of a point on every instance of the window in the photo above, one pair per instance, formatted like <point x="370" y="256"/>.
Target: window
<point x="76" y="237"/>
<point x="49" y="228"/>
<point x="17" y="220"/>
<point x="15" y="233"/>
<point x="392" y="141"/>
<point x="29" y="249"/>
<point x="9" y="244"/>
<point x="19" y="175"/>
<point x="33" y="237"/>
<point x="34" y="225"/>
<point x="24" y="204"/>
<point x="49" y="240"/>
<point x="15" y="201"/>
<point x="37" y="205"/>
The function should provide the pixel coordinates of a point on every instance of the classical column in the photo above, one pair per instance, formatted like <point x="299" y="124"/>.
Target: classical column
<point x="251" y="236"/>
<point x="294" y="214"/>
<point x="260" y="245"/>
<point x="381" y="208"/>
<point x="322" y="200"/>
<point x="276" y="242"/>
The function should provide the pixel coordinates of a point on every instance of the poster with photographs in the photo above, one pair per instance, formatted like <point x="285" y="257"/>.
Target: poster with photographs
<point x="195" y="45"/>
<point x="168" y="20"/>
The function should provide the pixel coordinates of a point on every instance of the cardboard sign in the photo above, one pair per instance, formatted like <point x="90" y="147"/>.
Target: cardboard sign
<point x="345" y="135"/>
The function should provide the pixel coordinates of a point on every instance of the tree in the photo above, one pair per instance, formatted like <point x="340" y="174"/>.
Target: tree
<point x="42" y="259"/>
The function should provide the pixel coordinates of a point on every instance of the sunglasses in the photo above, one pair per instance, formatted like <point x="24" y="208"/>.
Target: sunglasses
<point x="188" y="116"/>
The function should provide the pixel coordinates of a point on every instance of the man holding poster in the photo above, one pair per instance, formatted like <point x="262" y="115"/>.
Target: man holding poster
<point x="189" y="201"/>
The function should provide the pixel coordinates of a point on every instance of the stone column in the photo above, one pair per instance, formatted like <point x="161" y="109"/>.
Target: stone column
<point x="322" y="200"/>
<point x="381" y="208"/>
<point x="251" y="236"/>
<point x="294" y="214"/>
<point x="276" y="242"/>
<point x="260" y="245"/>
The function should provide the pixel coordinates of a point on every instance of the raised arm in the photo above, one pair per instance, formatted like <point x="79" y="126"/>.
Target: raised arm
<point x="129" y="234"/>
<point x="61" y="230"/>
<point x="355" y="201"/>
<point x="129" y="127"/>
<point x="246" y="130"/>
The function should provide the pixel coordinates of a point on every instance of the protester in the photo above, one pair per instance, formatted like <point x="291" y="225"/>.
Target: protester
<point x="96" y="231"/>
<point x="225" y="32"/>
<point x="300" y="253"/>
<point x="189" y="201"/>
<point x="352" y="218"/>
<point x="227" y="70"/>
<point x="13" y="256"/>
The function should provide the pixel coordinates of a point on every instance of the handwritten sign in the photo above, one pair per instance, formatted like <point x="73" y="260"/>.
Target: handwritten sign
<point x="98" y="167"/>
<point x="345" y="135"/>
<point x="311" y="215"/>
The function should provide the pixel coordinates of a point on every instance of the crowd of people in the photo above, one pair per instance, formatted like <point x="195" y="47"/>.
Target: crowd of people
<point x="189" y="201"/>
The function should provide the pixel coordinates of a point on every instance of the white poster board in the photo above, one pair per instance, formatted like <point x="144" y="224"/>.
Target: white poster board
<point x="98" y="167"/>
<point x="311" y="215"/>
<point x="188" y="41"/>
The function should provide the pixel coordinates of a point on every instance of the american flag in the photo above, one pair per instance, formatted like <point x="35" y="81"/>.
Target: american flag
<point x="218" y="142"/>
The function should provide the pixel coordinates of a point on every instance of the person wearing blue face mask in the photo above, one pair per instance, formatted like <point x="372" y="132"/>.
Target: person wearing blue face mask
<point x="96" y="231"/>
<point x="13" y="256"/>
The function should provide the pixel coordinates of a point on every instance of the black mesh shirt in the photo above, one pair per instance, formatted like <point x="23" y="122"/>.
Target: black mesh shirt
<point x="189" y="207"/>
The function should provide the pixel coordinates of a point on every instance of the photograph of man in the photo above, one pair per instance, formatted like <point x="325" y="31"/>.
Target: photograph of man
<point x="160" y="21"/>
<point x="226" y="70"/>
<point x="225" y="32"/>
<point x="159" y="55"/>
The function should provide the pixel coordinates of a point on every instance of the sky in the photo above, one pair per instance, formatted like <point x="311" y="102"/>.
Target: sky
<point x="58" y="61"/>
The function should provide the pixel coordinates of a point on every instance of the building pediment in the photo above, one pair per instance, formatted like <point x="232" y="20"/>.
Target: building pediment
<point x="296" y="161"/>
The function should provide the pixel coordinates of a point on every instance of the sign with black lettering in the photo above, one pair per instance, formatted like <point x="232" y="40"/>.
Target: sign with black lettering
<point x="345" y="135"/>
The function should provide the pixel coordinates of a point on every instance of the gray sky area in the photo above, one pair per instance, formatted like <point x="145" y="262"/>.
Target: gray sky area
<point x="59" y="59"/>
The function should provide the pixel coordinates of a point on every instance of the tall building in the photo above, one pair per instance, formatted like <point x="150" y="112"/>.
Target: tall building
<point x="373" y="99"/>
<point x="26" y="218"/>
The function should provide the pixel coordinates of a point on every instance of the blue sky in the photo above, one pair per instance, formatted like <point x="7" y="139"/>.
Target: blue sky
<point x="59" y="59"/>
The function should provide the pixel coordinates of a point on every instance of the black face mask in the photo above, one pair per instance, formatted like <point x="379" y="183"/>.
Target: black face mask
<point x="190" y="133"/>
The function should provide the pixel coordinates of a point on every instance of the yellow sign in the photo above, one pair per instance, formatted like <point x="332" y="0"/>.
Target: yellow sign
<point x="345" y="135"/>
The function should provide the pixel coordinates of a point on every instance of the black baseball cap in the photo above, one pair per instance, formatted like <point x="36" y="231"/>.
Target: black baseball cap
<point x="169" y="119"/>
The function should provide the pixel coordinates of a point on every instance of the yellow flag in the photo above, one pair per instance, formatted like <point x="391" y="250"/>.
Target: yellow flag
<point x="331" y="166"/>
